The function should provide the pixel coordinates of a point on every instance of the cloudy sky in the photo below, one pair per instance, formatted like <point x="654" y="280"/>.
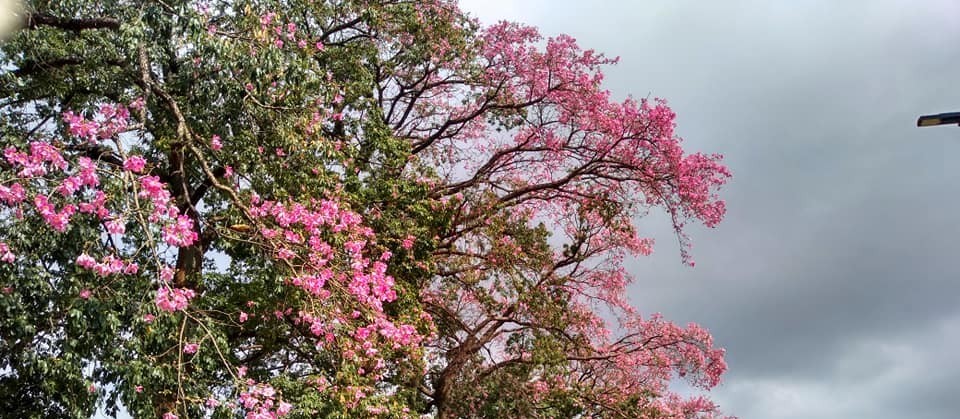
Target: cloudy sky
<point x="833" y="282"/>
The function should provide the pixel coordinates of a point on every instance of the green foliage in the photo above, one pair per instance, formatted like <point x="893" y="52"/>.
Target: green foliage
<point x="262" y="102"/>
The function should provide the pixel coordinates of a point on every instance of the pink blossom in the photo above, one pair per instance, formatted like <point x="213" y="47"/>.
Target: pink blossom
<point x="131" y="269"/>
<point x="57" y="219"/>
<point x="151" y="187"/>
<point x="354" y="246"/>
<point x="88" y="172"/>
<point x="5" y="254"/>
<point x="70" y="185"/>
<point x="174" y="299"/>
<point x="85" y="294"/>
<point x="13" y="194"/>
<point x="134" y="164"/>
<point x="109" y="266"/>
<point x="86" y="261"/>
<point x="215" y="143"/>
<point x="180" y="233"/>
<point x="190" y="348"/>
<point x="116" y="226"/>
<point x="408" y="242"/>
<point x="166" y="274"/>
<point x="266" y="19"/>
<point x="137" y="103"/>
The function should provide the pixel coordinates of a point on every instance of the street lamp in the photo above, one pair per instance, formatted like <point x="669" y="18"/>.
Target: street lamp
<point x="939" y="119"/>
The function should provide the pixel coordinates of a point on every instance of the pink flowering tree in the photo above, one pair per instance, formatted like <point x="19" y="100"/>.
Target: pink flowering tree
<point x="340" y="209"/>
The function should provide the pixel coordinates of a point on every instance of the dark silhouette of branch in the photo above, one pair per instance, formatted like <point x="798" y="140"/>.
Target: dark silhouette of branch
<point x="34" y="20"/>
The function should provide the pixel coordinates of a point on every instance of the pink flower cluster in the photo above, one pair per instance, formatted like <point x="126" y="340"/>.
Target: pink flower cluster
<point x="58" y="220"/>
<point x="97" y="205"/>
<point x="42" y="160"/>
<point x="5" y="254"/>
<point x="173" y="299"/>
<point x="285" y="33"/>
<point x="116" y="226"/>
<point x="302" y="235"/>
<point x="215" y="143"/>
<point x="179" y="230"/>
<point x="36" y="163"/>
<point x="368" y="283"/>
<point x="314" y="283"/>
<point x="260" y="402"/>
<point x="108" y="266"/>
<point x="180" y="233"/>
<point x="134" y="164"/>
<point x="403" y="335"/>
<point x="111" y="120"/>
<point x="13" y="194"/>
<point x="151" y="187"/>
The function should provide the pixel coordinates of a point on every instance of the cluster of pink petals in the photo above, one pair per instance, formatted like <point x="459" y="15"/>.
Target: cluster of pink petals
<point x="13" y="194"/>
<point x="403" y="335"/>
<point x="5" y="254"/>
<point x="180" y="232"/>
<point x="108" y="266"/>
<point x="173" y="299"/>
<point x="285" y="34"/>
<point x="303" y="236"/>
<point x="42" y="157"/>
<point x="116" y="226"/>
<point x="97" y="206"/>
<point x="260" y="402"/>
<point x="134" y="164"/>
<point x="407" y="242"/>
<point x="155" y="190"/>
<point x="215" y="143"/>
<point x="58" y="220"/>
<point x="111" y="120"/>
<point x="368" y="281"/>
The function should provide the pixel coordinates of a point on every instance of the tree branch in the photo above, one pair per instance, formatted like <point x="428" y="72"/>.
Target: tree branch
<point x="34" y="20"/>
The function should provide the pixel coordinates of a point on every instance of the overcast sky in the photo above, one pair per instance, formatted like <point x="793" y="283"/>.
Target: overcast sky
<point x="833" y="282"/>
